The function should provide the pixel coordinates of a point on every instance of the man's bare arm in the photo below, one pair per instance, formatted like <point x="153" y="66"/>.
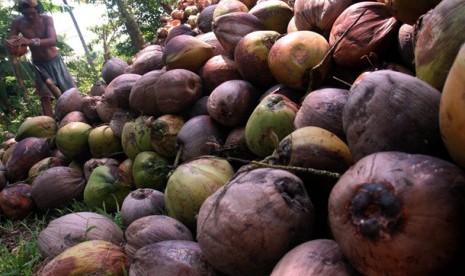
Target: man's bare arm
<point x="50" y="38"/>
<point x="13" y="38"/>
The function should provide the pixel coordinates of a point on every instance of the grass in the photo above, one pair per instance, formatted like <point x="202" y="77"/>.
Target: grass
<point x="19" y="251"/>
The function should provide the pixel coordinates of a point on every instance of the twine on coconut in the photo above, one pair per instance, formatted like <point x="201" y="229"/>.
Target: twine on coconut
<point x="268" y="162"/>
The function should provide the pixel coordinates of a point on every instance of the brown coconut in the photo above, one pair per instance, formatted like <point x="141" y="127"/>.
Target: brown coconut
<point x="142" y="98"/>
<point x="66" y="183"/>
<point x="118" y="120"/>
<point x="111" y="69"/>
<point x="235" y="145"/>
<point x="176" y="90"/>
<point x="73" y="116"/>
<point x="403" y="210"/>
<point x="141" y="203"/>
<point x="205" y="19"/>
<point x="231" y="27"/>
<point x="24" y="155"/>
<point x="146" y="60"/>
<point x="118" y="90"/>
<point x="211" y="39"/>
<point x="98" y="88"/>
<point x="316" y="257"/>
<point x="318" y="15"/>
<point x="251" y="57"/>
<point x="388" y="111"/>
<point x="186" y="52"/>
<point x="409" y="11"/>
<point x="232" y="102"/>
<point x="216" y="70"/>
<point x="175" y="257"/>
<point x="71" y="229"/>
<point x="93" y="163"/>
<point x="179" y="30"/>
<point x="225" y="7"/>
<point x="253" y="221"/>
<point x="152" y="229"/>
<point x="89" y="108"/>
<point x="16" y="202"/>
<point x="44" y="165"/>
<point x="323" y="108"/>
<point x="70" y="100"/>
<point x="362" y="30"/>
<point x="106" y="111"/>
<point x="199" y="136"/>
<point x="198" y="108"/>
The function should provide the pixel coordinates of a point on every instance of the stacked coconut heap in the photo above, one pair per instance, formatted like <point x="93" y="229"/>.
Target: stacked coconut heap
<point x="260" y="137"/>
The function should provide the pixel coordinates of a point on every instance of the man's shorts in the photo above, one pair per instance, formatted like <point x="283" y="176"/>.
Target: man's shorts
<point x="54" y="69"/>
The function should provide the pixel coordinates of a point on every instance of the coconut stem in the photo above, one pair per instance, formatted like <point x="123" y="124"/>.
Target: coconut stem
<point x="265" y="163"/>
<point x="330" y="52"/>
<point x="178" y="157"/>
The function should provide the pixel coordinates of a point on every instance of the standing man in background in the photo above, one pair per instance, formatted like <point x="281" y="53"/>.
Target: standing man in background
<point x="37" y="31"/>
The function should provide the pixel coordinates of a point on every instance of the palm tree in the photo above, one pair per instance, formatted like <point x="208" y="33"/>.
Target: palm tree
<point x="132" y="27"/>
<point x="83" y="42"/>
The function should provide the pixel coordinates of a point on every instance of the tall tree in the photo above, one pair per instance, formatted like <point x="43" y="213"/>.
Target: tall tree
<point x="131" y="25"/>
<point x="146" y="15"/>
<point x="81" y="38"/>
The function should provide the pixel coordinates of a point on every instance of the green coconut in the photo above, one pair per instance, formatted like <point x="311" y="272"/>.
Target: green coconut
<point x="107" y="188"/>
<point x="274" y="14"/>
<point x="251" y="57"/>
<point x="439" y="37"/>
<point x="191" y="183"/>
<point x="150" y="170"/>
<point x="135" y="137"/>
<point x="270" y="122"/>
<point x="103" y="142"/>
<point x="72" y="140"/>
<point x="43" y="165"/>
<point x="225" y="7"/>
<point x="37" y="126"/>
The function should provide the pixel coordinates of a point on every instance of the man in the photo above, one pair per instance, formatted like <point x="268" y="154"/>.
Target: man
<point x="37" y="31"/>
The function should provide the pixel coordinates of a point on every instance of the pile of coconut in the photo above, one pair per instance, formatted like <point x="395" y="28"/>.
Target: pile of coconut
<point x="259" y="138"/>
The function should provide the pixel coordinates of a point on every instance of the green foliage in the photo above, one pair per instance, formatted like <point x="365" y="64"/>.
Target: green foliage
<point x="16" y="105"/>
<point x="147" y="15"/>
<point x="83" y="73"/>
<point x="19" y="253"/>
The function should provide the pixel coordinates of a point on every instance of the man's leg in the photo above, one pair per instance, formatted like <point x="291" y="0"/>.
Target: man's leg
<point x="45" y="96"/>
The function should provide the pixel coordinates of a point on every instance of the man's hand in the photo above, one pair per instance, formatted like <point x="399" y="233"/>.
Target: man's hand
<point x="16" y="45"/>
<point x="17" y="41"/>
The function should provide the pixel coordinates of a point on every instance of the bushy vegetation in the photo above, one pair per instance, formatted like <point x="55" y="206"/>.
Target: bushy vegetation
<point x="16" y="105"/>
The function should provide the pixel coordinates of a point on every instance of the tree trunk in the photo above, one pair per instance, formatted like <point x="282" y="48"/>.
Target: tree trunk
<point x="131" y="25"/>
<point x="76" y="25"/>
